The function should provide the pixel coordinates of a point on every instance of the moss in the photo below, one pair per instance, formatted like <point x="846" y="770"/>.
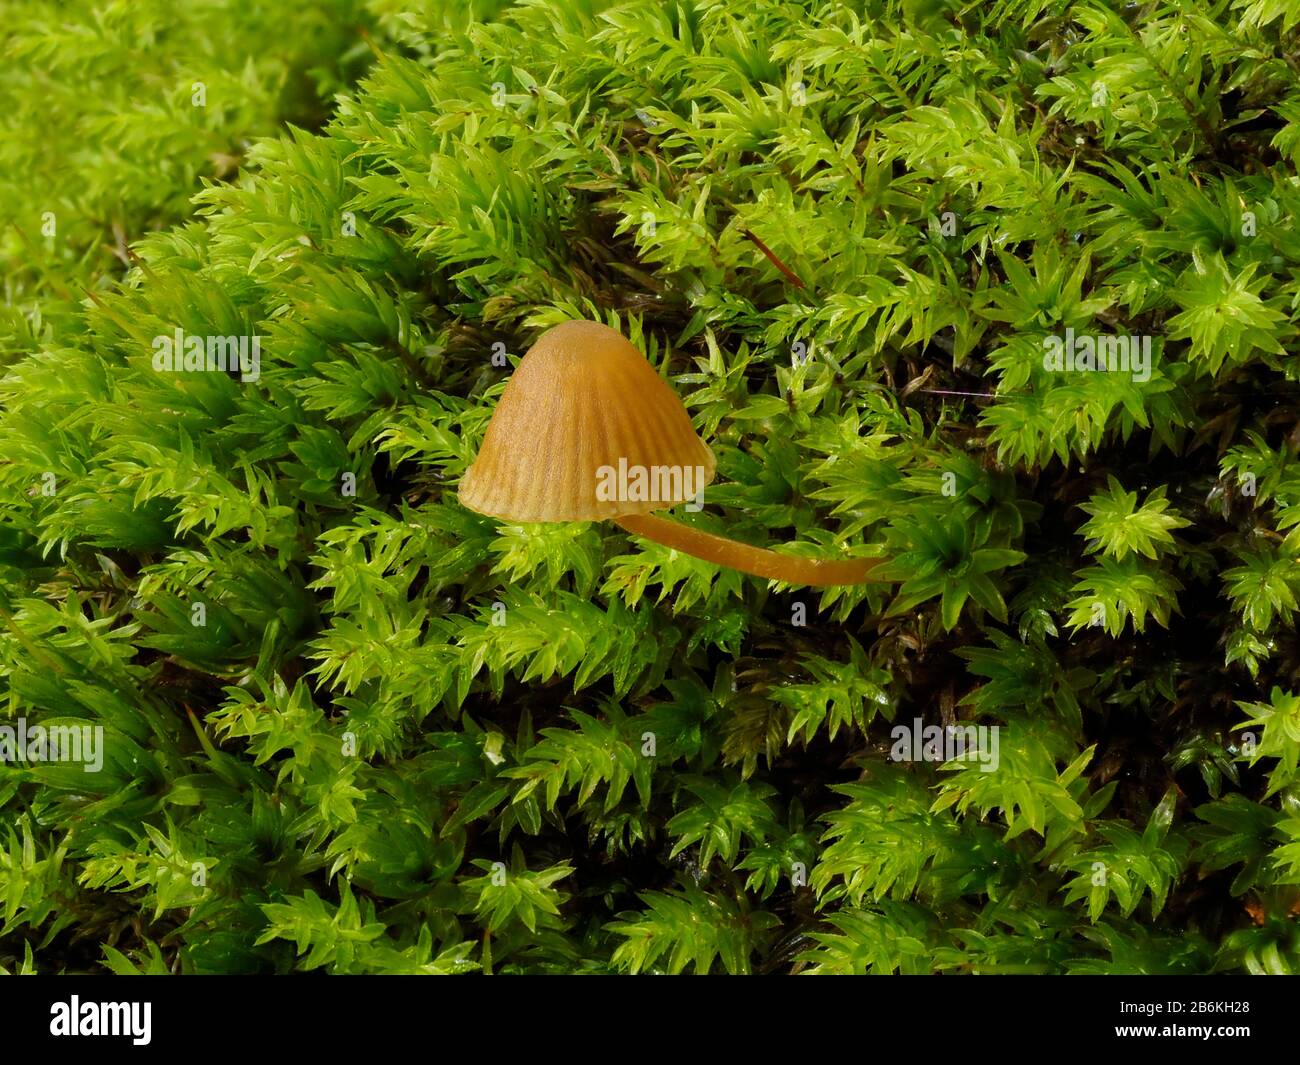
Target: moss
<point x="351" y="725"/>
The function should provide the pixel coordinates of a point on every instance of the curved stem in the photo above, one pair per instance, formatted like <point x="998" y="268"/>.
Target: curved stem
<point x="756" y="560"/>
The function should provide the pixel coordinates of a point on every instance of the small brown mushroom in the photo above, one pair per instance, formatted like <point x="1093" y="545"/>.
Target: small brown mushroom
<point x="587" y="431"/>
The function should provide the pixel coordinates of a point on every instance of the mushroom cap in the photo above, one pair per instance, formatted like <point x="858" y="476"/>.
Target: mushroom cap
<point x="581" y="415"/>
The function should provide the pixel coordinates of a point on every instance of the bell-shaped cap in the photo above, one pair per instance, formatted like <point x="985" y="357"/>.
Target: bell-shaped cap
<point x="585" y="430"/>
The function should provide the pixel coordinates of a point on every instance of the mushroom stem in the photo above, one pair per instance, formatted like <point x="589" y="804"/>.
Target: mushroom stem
<point x="756" y="560"/>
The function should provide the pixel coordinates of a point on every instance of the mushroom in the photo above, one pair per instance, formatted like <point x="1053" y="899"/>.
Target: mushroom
<point x="587" y="431"/>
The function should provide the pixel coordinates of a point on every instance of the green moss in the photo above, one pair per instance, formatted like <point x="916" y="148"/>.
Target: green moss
<point x="406" y="738"/>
